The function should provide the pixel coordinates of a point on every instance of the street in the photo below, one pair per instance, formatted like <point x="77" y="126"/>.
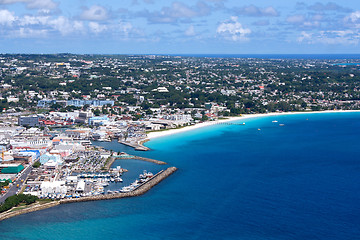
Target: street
<point x="13" y="189"/>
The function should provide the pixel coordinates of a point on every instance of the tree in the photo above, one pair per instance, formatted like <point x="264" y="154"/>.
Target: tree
<point x="37" y="164"/>
<point x="96" y="112"/>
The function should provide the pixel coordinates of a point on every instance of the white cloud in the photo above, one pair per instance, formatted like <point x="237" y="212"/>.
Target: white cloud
<point x="29" y="33"/>
<point x="33" y="20"/>
<point x="355" y="16"/>
<point x="344" y="37"/>
<point x="190" y="31"/>
<point x="176" y="11"/>
<point x="330" y="6"/>
<point x="304" y="37"/>
<point x="353" y="20"/>
<point x="233" y="30"/>
<point x="11" y="1"/>
<point x="296" y="19"/>
<point x="33" y="4"/>
<point x="126" y="28"/>
<point x="42" y="4"/>
<point x="95" y="13"/>
<point x="7" y="17"/>
<point x="299" y="20"/>
<point x="254" y="11"/>
<point x="65" y="26"/>
<point x="96" y="27"/>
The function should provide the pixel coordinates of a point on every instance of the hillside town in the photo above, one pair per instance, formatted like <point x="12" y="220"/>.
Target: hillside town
<point x="55" y="106"/>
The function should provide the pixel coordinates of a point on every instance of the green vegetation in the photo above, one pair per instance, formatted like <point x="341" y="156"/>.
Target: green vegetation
<point x="37" y="164"/>
<point x="6" y="183"/>
<point x="15" y="200"/>
<point x="238" y="85"/>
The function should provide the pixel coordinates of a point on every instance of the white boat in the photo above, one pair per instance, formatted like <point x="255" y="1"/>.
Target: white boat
<point x="126" y="189"/>
<point x="118" y="179"/>
<point x="275" y="121"/>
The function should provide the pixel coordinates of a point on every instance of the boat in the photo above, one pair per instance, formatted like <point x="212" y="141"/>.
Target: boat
<point x="275" y="121"/>
<point x="118" y="179"/>
<point x="126" y="189"/>
<point x="281" y="124"/>
<point x="146" y="174"/>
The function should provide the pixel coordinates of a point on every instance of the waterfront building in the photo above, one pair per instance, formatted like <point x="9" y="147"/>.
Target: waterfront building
<point x="82" y="133"/>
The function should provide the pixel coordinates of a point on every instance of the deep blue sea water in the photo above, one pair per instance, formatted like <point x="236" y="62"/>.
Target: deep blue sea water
<point x="297" y="181"/>
<point x="275" y="56"/>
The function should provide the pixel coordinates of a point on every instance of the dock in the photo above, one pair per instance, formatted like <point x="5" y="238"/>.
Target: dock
<point x="108" y="164"/>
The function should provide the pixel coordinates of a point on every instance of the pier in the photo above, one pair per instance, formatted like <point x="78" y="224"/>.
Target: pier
<point x="136" y="146"/>
<point x="108" y="164"/>
<point x="128" y="156"/>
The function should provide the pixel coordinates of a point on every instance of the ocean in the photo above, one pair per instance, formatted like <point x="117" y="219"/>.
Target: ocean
<point x="262" y="180"/>
<point x="275" y="56"/>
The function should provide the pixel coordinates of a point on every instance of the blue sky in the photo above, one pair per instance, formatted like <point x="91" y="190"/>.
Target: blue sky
<point x="179" y="27"/>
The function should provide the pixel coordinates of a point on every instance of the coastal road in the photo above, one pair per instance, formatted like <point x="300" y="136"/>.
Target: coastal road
<point x="13" y="189"/>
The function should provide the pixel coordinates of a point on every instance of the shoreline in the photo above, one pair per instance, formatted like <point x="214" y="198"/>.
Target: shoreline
<point x="169" y="132"/>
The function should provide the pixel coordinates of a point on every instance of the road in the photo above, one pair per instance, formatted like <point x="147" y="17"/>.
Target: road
<point x="13" y="189"/>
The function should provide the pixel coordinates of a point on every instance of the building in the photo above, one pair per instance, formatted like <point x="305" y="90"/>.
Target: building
<point x="45" y="103"/>
<point x="28" y="121"/>
<point x="98" y="120"/>
<point x="11" y="168"/>
<point x="57" y="187"/>
<point x="50" y="157"/>
<point x="78" y="133"/>
<point x="75" y="102"/>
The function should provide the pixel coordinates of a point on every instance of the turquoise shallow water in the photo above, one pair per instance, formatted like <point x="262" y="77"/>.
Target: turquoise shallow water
<point x="297" y="181"/>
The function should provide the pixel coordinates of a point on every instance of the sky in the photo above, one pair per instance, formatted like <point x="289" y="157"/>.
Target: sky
<point x="180" y="27"/>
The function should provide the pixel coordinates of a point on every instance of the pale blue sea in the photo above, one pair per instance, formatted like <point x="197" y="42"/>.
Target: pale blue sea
<point x="297" y="181"/>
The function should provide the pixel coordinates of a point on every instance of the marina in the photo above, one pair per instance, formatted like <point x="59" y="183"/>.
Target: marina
<point x="138" y="190"/>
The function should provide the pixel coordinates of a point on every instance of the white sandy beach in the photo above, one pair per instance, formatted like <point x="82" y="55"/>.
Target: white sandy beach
<point x="153" y="135"/>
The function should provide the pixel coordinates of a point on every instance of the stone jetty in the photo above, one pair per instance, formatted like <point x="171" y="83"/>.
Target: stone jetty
<point x="36" y="207"/>
<point x="137" y="146"/>
<point x="108" y="164"/>
<point x="128" y="156"/>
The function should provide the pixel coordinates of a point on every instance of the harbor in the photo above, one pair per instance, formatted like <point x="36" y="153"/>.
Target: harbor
<point x="139" y="190"/>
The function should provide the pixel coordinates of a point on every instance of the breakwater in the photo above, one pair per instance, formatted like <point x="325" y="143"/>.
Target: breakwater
<point x="156" y="179"/>
<point x="136" y="146"/>
<point x="128" y="156"/>
<point x="108" y="164"/>
<point x="36" y="207"/>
